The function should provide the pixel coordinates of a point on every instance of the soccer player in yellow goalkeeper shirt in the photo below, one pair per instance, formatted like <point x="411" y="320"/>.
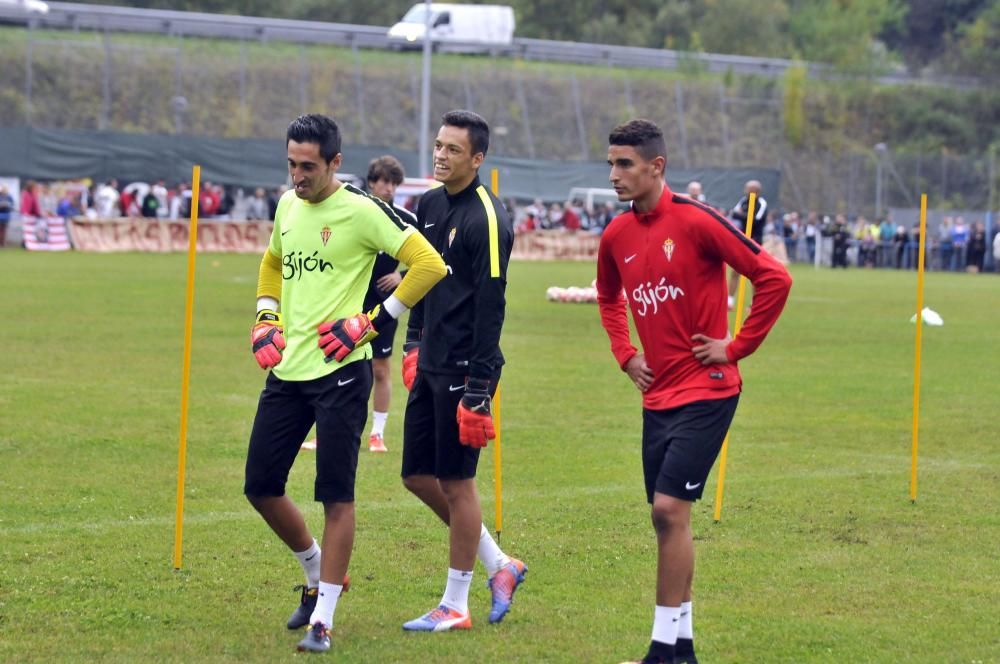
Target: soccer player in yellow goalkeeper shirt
<point x="313" y="336"/>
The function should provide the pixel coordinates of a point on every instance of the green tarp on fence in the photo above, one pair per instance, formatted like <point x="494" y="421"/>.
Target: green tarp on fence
<point x="54" y="154"/>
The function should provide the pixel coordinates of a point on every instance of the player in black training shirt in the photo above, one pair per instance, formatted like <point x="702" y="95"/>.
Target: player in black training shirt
<point x="452" y="366"/>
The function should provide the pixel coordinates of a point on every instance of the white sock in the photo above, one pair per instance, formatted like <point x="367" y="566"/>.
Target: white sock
<point x="489" y="552"/>
<point x="326" y="603"/>
<point x="378" y="422"/>
<point x="456" y="593"/>
<point x="685" y="627"/>
<point x="665" y="623"/>
<point x="309" y="559"/>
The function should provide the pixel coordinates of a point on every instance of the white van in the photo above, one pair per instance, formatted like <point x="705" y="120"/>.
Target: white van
<point x="27" y="6"/>
<point x="594" y="198"/>
<point x="467" y="28"/>
<point x="414" y="188"/>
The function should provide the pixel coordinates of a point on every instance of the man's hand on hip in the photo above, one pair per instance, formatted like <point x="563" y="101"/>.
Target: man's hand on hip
<point x="639" y="371"/>
<point x="388" y="282"/>
<point x="709" y="350"/>
<point x="338" y="338"/>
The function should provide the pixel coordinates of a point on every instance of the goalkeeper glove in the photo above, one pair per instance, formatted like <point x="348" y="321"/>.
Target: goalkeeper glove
<point x="266" y="338"/>
<point x="412" y="353"/>
<point x="475" y="423"/>
<point x="340" y="337"/>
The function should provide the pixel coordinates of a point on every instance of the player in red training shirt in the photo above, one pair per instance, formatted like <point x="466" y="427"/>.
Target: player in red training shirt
<point x="666" y="257"/>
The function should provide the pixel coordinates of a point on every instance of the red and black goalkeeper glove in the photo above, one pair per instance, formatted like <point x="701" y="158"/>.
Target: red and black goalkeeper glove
<point x="338" y="338"/>
<point x="475" y="423"/>
<point x="412" y="353"/>
<point x="266" y="338"/>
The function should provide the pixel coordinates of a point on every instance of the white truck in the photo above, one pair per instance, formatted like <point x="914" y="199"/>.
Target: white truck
<point x="462" y="28"/>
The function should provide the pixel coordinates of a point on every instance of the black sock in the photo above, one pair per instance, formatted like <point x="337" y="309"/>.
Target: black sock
<point x="684" y="647"/>
<point x="659" y="651"/>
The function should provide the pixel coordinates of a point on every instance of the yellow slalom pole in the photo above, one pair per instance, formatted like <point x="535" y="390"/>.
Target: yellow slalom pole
<point x="497" y="466"/>
<point x="736" y="330"/>
<point x="916" y="360"/>
<point x="497" y="447"/>
<point x="186" y="370"/>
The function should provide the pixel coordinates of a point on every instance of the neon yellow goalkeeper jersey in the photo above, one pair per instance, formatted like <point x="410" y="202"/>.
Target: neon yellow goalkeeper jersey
<point x="327" y="251"/>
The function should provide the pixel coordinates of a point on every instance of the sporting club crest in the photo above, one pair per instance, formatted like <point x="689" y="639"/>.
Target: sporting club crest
<point x="668" y="248"/>
<point x="325" y="234"/>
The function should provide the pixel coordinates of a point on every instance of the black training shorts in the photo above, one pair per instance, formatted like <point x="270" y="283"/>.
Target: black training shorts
<point x="430" y="430"/>
<point x="382" y="344"/>
<point x="337" y="404"/>
<point x="680" y="446"/>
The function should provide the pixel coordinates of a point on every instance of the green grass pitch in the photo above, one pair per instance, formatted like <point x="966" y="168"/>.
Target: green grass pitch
<point x="820" y="556"/>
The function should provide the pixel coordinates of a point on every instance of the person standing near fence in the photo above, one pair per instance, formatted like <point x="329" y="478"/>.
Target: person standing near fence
<point x="996" y="251"/>
<point x="885" y="232"/>
<point x="739" y="216"/>
<point x="976" y="251"/>
<point x="665" y="261"/>
<point x="811" y="232"/>
<point x="694" y="191"/>
<point x="944" y="244"/>
<point x="841" y="239"/>
<point x="30" y="206"/>
<point x="6" y="210"/>
<point x="959" y="240"/>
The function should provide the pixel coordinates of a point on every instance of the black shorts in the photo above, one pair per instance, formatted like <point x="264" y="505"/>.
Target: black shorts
<point x="430" y="430"/>
<point x="337" y="404"/>
<point x="382" y="344"/>
<point x="680" y="446"/>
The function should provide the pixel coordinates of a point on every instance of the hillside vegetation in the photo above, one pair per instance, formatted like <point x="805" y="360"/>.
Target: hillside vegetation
<point x="954" y="36"/>
<point x="820" y="133"/>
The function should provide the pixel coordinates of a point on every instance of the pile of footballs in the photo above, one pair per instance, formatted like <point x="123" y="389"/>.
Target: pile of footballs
<point x="573" y="293"/>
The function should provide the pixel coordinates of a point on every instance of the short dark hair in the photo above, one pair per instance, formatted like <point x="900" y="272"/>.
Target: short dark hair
<point x="479" y="131"/>
<point x="643" y="135"/>
<point x="386" y="168"/>
<point x="319" y="129"/>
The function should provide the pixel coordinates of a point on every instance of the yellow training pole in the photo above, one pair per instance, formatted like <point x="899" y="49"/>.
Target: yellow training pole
<point x="916" y="361"/>
<point x="497" y="451"/>
<point x="186" y="370"/>
<point x="497" y="466"/>
<point x="736" y="330"/>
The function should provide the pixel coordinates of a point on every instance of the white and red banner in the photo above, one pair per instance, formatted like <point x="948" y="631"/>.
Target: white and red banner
<point x="555" y="245"/>
<point x="45" y="234"/>
<point x="161" y="235"/>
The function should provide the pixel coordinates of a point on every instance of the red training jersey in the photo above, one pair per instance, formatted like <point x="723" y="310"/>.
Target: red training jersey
<point x="670" y="263"/>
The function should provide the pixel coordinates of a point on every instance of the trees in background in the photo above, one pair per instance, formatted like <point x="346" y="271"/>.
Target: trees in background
<point x="860" y="36"/>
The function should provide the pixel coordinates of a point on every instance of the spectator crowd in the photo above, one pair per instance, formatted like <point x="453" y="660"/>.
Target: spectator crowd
<point x="841" y="240"/>
<point x="108" y="200"/>
<point x="855" y="241"/>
